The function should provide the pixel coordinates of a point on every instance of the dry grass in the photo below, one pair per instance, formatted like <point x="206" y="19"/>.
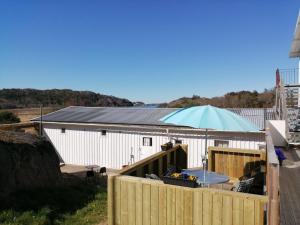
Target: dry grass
<point x="26" y="114"/>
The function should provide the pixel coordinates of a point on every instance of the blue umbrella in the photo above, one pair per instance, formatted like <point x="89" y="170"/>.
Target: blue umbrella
<point x="209" y="118"/>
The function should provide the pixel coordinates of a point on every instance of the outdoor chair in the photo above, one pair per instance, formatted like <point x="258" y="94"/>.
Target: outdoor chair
<point x="152" y="176"/>
<point x="244" y="185"/>
<point x="103" y="171"/>
<point x="90" y="173"/>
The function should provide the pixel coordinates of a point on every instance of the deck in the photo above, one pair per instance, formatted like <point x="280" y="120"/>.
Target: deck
<point x="290" y="190"/>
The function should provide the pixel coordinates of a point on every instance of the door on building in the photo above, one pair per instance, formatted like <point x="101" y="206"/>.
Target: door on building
<point x="146" y="147"/>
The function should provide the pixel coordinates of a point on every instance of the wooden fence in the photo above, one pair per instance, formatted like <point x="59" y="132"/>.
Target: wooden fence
<point x="139" y="201"/>
<point x="234" y="162"/>
<point x="159" y="162"/>
<point x="273" y="190"/>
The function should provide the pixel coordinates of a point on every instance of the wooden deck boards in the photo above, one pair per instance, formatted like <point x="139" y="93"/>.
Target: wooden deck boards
<point x="290" y="192"/>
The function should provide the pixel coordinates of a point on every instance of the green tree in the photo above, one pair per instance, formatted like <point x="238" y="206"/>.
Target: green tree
<point x="8" y="117"/>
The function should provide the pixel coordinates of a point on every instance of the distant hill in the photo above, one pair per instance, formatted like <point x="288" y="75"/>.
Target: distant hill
<point x="241" y="99"/>
<point x="25" y="98"/>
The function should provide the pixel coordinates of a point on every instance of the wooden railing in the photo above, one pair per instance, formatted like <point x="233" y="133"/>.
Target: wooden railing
<point x="272" y="183"/>
<point x="158" y="163"/>
<point x="235" y="162"/>
<point x="139" y="201"/>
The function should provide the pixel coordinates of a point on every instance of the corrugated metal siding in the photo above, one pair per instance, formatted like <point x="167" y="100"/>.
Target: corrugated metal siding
<point x="255" y="115"/>
<point x="88" y="146"/>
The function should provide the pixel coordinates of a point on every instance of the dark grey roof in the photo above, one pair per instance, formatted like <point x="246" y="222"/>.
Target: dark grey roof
<point x="109" y="115"/>
<point x="139" y="116"/>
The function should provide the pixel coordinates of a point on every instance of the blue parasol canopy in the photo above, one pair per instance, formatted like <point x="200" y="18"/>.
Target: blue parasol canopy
<point x="211" y="118"/>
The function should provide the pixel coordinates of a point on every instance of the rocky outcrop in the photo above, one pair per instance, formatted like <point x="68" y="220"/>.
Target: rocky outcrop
<point x="26" y="162"/>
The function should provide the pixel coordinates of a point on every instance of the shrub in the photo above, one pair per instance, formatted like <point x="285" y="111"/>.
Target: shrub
<point x="8" y="117"/>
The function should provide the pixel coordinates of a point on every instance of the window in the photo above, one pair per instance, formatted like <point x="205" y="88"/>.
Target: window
<point x="178" y="142"/>
<point x="219" y="143"/>
<point x="103" y="132"/>
<point x="63" y="130"/>
<point x="147" y="141"/>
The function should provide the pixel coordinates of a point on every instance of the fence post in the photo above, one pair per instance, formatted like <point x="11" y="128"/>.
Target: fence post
<point x="110" y="199"/>
<point x="272" y="183"/>
<point x="274" y="210"/>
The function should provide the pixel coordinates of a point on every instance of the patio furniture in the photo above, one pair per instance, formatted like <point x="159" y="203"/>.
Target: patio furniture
<point x="103" y="171"/>
<point x="206" y="178"/>
<point x="244" y="185"/>
<point x="152" y="176"/>
<point x="90" y="173"/>
<point x="94" y="168"/>
<point x="179" y="181"/>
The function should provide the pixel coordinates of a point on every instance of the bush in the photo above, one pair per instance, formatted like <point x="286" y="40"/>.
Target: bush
<point x="8" y="117"/>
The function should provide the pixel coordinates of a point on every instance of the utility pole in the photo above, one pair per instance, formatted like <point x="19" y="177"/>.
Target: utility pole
<point x="41" y="120"/>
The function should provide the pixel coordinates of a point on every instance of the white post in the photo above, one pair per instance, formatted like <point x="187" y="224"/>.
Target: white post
<point x="205" y="160"/>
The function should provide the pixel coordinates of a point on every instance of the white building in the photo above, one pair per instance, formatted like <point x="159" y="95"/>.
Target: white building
<point x="113" y="137"/>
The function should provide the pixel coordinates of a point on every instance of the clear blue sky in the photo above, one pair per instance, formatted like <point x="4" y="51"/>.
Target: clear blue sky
<point x="153" y="51"/>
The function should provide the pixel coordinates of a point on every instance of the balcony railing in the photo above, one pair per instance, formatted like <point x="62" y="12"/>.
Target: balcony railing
<point x="289" y="76"/>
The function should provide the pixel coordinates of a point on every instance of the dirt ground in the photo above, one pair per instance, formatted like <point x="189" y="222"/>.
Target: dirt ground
<point x="79" y="170"/>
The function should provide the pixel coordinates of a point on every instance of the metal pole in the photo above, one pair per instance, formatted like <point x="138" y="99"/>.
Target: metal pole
<point x="205" y="156"/>
<point x="41" y="120"/>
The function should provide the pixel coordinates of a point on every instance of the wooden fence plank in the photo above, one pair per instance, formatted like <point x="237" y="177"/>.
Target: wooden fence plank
<point x="249" y="217"/>
<point x="139" y="203"/>
<point x="227" y="210"/>
<point x="160" y="167"/>
<point x="170" y="205"/>
<point x="124" y="203"/>
<point x="146" y="204"/>
<point x="207" y="208"/>
<point x="131" y="203"/>
<point x="117" y="203"/>
<point x="179" y="206"/>
<point x="154" y="205"/>
<point x="198" y="207"/>
<point x="259" y="210"/>
<point x="238" y="211"/>
<point x="217" y="209"/>
<point x="162" y="213"/>
<point x="188" y="207"/>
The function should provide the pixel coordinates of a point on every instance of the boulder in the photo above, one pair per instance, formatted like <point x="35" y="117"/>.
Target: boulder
<point x="26" y="162"/>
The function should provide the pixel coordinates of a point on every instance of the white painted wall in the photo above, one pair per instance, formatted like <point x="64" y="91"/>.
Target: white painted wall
<point x="87" y="146"/>
<point x="277" y="130"/>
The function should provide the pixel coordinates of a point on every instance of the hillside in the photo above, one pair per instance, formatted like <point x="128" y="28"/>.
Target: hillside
<point x="242" y="99"/>
<point x="26" y="98"/>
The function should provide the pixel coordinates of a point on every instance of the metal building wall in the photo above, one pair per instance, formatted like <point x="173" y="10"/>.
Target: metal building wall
<point x="88" y="146"/>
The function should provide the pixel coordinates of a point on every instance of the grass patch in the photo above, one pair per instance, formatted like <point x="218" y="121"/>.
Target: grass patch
<point x="80" y="204"/>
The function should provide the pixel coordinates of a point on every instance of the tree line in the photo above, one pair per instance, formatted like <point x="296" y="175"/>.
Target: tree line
<point x="27" y="98"/>
<point x="241" y="99"/>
